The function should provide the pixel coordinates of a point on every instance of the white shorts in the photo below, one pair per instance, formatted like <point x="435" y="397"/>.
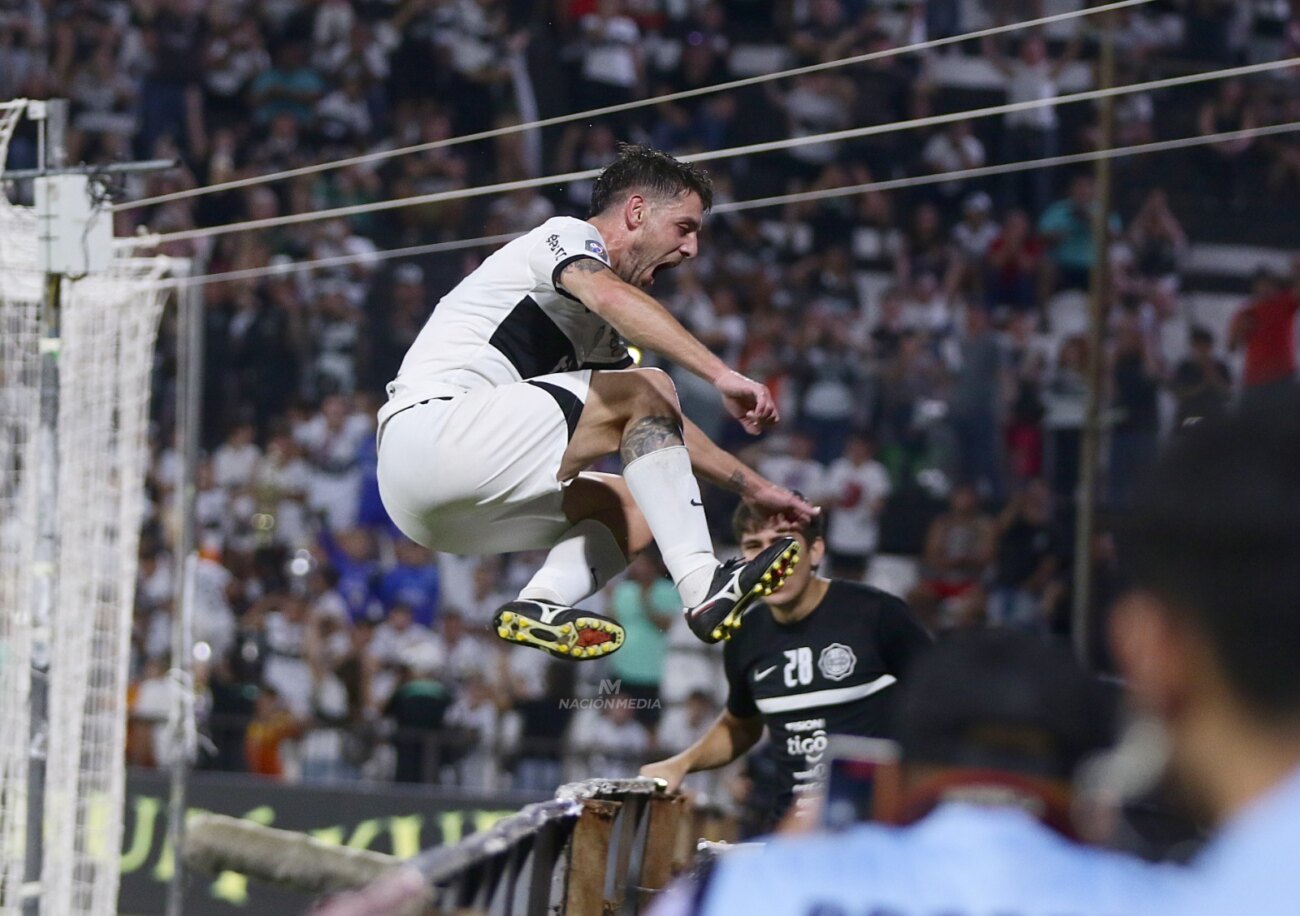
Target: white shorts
<point x="476" y="473"/>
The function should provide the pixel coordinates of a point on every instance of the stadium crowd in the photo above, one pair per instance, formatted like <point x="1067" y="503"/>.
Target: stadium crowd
<point x="927" y="347"/>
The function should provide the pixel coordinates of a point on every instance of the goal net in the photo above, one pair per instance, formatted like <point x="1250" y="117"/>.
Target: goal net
<point x="20" y="304"/>
<point x="108" y="325"/>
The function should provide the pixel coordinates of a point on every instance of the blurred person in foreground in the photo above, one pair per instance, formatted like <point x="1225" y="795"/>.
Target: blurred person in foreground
<point x="992" y="727"/>
<point x="1207" y="641"/>
<point x="819" y="659"/>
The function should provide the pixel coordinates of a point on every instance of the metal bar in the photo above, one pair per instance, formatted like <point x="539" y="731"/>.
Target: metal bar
<point x="54" y="131"/>
<point x="188" y="422"/>
<point x="1090" y="444"/>
<point x="589" y="857"/>
<point x="536" y="890"/>
<point x="115" y="168"/>
<point x="621" y="863"/>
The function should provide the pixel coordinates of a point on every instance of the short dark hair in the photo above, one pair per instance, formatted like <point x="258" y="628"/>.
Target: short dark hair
<point x="640" y="168"/>
<point x="1035" y="711"/>
<point x="1215" y="535"/>
<point x="748" y="519"/>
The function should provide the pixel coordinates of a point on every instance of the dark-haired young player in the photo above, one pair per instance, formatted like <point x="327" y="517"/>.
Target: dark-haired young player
<point x="819" y="659"/>
<point x="521" y="379"/>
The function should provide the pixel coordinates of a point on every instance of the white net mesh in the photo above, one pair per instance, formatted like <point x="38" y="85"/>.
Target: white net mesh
<point x="20" y="303"/>
<point x="109" y="323"/>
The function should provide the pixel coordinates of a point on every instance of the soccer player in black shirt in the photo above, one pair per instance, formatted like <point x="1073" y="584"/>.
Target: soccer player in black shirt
<point x="820" y="658"/>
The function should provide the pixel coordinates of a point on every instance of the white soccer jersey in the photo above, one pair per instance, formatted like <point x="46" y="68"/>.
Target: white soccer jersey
<point x="510" y="320"/>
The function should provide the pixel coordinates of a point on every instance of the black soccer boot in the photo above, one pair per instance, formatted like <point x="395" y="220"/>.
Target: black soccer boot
<point x="565" y="632"/>
<point x="736" y="585"/>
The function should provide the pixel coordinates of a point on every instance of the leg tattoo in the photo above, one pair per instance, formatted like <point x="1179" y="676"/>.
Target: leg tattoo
<point x="649" y="434"/>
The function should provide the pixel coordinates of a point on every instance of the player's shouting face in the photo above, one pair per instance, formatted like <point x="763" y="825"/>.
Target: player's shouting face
<point x="752" y="543"/>
<point x="663" y="232"/>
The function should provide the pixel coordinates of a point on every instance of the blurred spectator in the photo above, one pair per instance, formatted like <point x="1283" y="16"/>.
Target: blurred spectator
<point x="397" y="636"/>
<point x="103" y="105"/>
<point x="832" y="381"/>
<point x="418" y="706"/>
<point x="1136" y="375"/>
<point x="1015" y="266"/>
<point x="351" y="554"/>
<point x="959" y="550"/>
<point x="645" y="603"/>
<point x="791" y="464"/>
<point x="412" y="581"/>
<point x="911" y="383"/>
<point x="606" y="739"/>
<point x="1226" y="161"/>
<point x="1202" y="382"/>
<point x="233" y="57"/>
<point x="979" y="390"/>
<point x="1265" y="328"/>
<point x="476" y="714"/>
<point x="171" y="99"/>
<point x="235" y="460"/>
<point x="266" y="742"/>
<point x="1030" y="134"/>
<point x="149" y="709"/>
<point x="488" y="595"/>
<point x="280" y="485"/>
<point x="291" y="86"/>
<point x="544" y="721"/>
<point x="1064" y="397"/>
<point x="462" y="651"/>
<point x="954" y="148"/>
<point x="1157" y="239"/>
<point x="612" y="65"/>
<point x="974" y="237"/>
<point x="926" y="262"/>
<point x="1066" y="228"/>
<point x="286" y="667"/>
<point x="330" y="441"/>
<point x="1028" y="556"/>
<point x="856" y="488"/>
<point x="815" y="104"/>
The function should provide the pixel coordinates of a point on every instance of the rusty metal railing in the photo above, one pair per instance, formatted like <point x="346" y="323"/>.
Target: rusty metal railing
<point x="601" y="847"/>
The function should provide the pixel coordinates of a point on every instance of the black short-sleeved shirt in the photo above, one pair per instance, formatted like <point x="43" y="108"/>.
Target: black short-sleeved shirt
<point x="833" y="672"/>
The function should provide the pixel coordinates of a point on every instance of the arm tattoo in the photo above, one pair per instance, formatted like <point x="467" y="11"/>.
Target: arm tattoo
<point x="649" y="434"/>
<point x="586" y="265"/>
<point x="737" y="482"/>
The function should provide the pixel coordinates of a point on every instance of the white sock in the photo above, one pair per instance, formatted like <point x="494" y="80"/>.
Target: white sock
<point x="665" y="489"/>
<point x="581" y="562"/>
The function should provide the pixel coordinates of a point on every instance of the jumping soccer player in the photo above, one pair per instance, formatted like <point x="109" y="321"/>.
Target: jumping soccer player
<point x="818" y="660"/>
<point x="520" y="380"/>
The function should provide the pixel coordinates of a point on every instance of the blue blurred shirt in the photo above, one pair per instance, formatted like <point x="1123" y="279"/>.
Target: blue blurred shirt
<point x="1253" y="865"/>
<point x="416" y="586"/>
<point x="960" y="860"/>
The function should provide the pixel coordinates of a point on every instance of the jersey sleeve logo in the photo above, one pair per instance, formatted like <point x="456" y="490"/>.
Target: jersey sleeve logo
<point x="596" y="248"/>
<point x="836" y="661"/>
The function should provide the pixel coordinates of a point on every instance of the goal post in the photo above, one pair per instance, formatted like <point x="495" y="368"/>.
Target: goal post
<point x="21" y="291"/>
<point x="79" y="321"/>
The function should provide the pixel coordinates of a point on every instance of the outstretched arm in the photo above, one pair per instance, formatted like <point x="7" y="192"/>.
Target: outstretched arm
<point x="726" y="739"/>
<point x="723" y="469"/>
<point x="641" y="320"/>
<point x="638" y="317"/>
